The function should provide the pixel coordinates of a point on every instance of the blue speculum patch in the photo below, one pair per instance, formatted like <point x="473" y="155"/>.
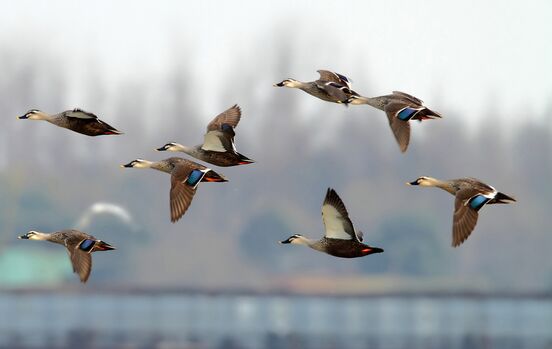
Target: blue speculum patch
<point x="226" y="127"/>
<point x="86" y="245"/>
<point x="478" y="201"/>
<point x="344" y="78"/>
<point x="194" y="177"/>
<point x="406" y="114"/>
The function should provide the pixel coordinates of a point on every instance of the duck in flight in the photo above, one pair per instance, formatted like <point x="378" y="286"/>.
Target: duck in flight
<point x="330" y="87"/>
<point x="471" y="195"/>
<point x="79" y="246"/>
<point x="340" y="237"/>
<point x="185" y="178"/>
<point x="400" y="108"/>
<point x="76" y="120"/>
<point x="218" y="146"/>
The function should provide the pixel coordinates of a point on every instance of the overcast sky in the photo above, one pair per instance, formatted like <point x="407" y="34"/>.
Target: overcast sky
<point x="465" y="52"/>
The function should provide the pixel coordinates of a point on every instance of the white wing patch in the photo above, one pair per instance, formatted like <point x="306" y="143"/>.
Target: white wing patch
<point x="212" y="142"/>
<point x="333" y="221"/>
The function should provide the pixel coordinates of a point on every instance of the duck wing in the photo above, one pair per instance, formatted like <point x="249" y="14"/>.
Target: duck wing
<point x="88" y="123"/>
<point x="79" y="114"/>
<point x="337" y="92"/>
<point x="466" y="206"/>
<point x="184" y="182"/>
<point x="336" y="218"/>
<point x="221" y="141"/>
<point x="81" y="261"/>
<point x="326" y="75"/>
<point x="230" y="116"/>
<point x="400" y="128"/>
<point x="220" y="131"/>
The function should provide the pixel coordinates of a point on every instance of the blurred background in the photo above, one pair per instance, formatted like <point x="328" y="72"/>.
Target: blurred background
<point x="160" y="71"/>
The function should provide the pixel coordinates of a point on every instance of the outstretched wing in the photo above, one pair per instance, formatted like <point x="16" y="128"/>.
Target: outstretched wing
<point x="464" y="218"/>
<point x="184" y="182"/>
<point x="231" y="117"/>
<point x="336" y="218"/>
<point x="400" y="128"/>
<point x="220" y="131"/>
<point x="326" y="75"/>
<point x="81" y="261"/>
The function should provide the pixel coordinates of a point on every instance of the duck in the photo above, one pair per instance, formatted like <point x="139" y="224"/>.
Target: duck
<point x="218" y="146"/>
<point x="400" y="108"/>
<point x="76" y="120"/>
<point x="185" y="178"/>
<point x="471" y="195"/>
<point x="330" y="87"/>
<point x="340" y="237"/>
<point x="79" y="245"/>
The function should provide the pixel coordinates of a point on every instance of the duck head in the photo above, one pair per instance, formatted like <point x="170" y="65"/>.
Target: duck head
<point x="138" y="163"/>
<point x="423" y="181"/>
<point x="172" y="146"/>
<point x="288" y="83"/>
<point x="296" y="239"/>
<point x="32" y="235"/>
<point x="34" y="114"/>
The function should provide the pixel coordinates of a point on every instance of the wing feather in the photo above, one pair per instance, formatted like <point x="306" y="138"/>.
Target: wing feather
<point x="464" y="219"/>
<point x="81" y="261"/>
<point x="79" y="114"/>
<point x="326" y="75"/>
<point x="181" y="194"/>
<point x="231" y="117"/>
<point x="336" y="218"/>
<point x="400" y="128"/>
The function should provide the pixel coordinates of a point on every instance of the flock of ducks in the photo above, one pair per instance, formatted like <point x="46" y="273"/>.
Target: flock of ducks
<point x="340" y="238"/>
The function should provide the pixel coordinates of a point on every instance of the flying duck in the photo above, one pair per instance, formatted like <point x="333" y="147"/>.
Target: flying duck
<point x="471" y="195"/>
<point x="76" y="120"/>
<point x="330" y="87"/>
<point x="79" y="246"/>
<point x="400" y="108"/>
<point x="340" y="237"/>
<point x="218" y="143"/>
<point x="185" y="178"/>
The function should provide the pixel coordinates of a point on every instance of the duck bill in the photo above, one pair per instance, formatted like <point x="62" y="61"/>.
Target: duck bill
<point x="161" y="149"/>
<point x="23" y="117"/>
<point x="412" y="183"/>
<point x="129" y="165"/>
<point x="280" y="84"/>
<point x="23" y="237"/>
<point x="288" y="241"/>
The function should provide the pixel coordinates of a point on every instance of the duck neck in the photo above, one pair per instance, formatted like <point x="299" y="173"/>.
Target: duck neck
<point x="162" y="166"/>
<point x="314" y="244"/>
<point x="376" y="102"/>
<point x="445" y="185"/>
<point x="43" y="116"/>
<point x="40" y="236"/>
<point x="300" y="85"/>
<point x="193" y="151"/>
